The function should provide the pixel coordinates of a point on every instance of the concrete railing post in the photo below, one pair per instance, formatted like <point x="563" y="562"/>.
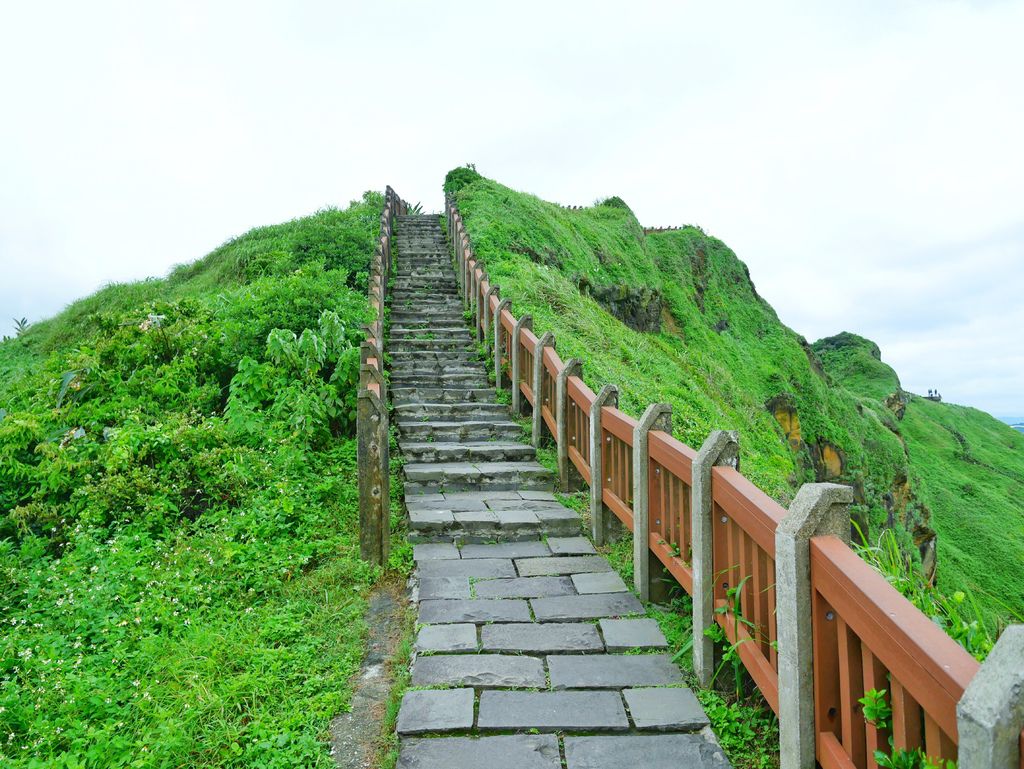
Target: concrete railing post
<point x="517" y="395"/>
<point x="486" y="319"/>
<point x="572" y="367"/>
<point x="721" y="448"/>
<point x="600" y="523"/>
<point x="990" y="714"/>
<point x="818" y="509"/>
<point x="657" y="416"/>
<point x="548" y="340"/>
<point x="503" y="305"/>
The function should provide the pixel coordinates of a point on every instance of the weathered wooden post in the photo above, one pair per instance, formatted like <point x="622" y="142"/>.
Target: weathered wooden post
<point x="603" y="527"/>
<point x="990" y="714"/>
<point x="572" y="367"/>
<point x="657" y="416"/>
<point x="818" y="509"/>
<point x="517" y="376"/>
<point x="548" y="340"/>
<point x="372" y="461"/>
<point x="499" y="338"/>
<point x="485" y="325"/>
<point x="721" y="448"/>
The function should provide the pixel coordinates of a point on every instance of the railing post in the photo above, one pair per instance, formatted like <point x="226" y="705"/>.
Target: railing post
<point x="485" y="324"/>
<point x="498" y="337"/>
<point x="572" y="367"/>
<point x="657" y="416"/>
<point x="721" y="448"/>
<point x="818" y="509"/>
<point x="372" y="459"/>
<point x="600" y="523"/>
<point x="481" y="303"/>
<point x="548" y="340"/>
<point x="990" y="714"/>
<point x="517" y="395"/>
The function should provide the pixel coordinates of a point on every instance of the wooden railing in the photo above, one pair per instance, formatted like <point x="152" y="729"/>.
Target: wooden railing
<point x="856" y="631"/>
<point x="371" y="412"/>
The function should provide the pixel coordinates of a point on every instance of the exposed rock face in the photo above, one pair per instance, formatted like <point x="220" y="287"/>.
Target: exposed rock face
<point x="829" y="460"/>
<point x="897" y="402"/>
<point x="639" y="308"/>
<point x="785" y="414"/>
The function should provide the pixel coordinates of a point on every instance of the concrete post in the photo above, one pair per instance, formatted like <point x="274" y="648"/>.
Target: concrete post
<point x="657" y="416"/>
<point x="990" y="714"/>
<point x="601" y="524"/>
<point x="498" y="337"/>
<point x="486" y="319"/>
<point x="720" y="448"/>
<point x="818" y="509"/>
<point x="517" y="395"/>
<point x="572" y="367"/>
<point x="374" y="497"/>
<point x="548" y="340"/>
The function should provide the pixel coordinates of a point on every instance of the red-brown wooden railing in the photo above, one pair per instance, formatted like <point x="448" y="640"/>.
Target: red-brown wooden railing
<point x="865" y="634"/>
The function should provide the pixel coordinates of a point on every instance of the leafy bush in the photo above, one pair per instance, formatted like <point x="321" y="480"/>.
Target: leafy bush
<point x="179" y="572"/>
<point x="460" y="177"/>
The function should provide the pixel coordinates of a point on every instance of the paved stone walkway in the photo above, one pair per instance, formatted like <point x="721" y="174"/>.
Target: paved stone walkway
<point x="531" y="652"/>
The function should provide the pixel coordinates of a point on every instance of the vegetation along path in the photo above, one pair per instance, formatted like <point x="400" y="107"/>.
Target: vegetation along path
<point x="527" y="654"/>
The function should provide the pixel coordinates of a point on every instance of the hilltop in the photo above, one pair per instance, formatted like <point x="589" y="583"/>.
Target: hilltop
<point x="674" y="316"/>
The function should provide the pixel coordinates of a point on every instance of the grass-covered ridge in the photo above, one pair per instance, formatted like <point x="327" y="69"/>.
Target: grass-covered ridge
<point x="179" y="572"/>
<point x="721" y="357"/>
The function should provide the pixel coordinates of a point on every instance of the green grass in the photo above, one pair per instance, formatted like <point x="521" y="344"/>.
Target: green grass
<point x="179" y="572"/>
<point x="723" y="360"/>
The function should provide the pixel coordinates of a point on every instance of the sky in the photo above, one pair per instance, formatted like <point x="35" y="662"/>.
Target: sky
<point x="865" y="159"/>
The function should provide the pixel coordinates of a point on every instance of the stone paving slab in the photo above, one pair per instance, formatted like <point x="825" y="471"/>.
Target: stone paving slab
<point x="665" y="709"/>
<point x="480" y="568"/>
<point x="649" y="751"/>
<point x="474" y="610"/>
<point x="430" y="521"/>
<point x="479" y="670"/>
<point x="550" y="638"/>
<point x="422" y="712"/>
<point x="572" y="564"/>
<point x="443" y="587"/>
<point x="622" y="635"/>
<point x="579" y="607"/>
<point x="571" y="546"/>
<point x="598" y="582"/>
<point x="552" y="711"/>
<point x="477" y="521"/>
<point x="440" y="551"/>
<point x="447" y="638"/>
<point x="519" y="751"/>
<point x="524" y="587"/>
<point x="612" y="671"/>
<point x="506" y="550"/>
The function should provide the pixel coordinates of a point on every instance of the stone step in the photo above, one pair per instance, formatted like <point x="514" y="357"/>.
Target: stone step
<point x="428" y="355"/>
<point x="437" y="344"/>
<point x="470" y="380"/>
<point x="401" y="395"/>
<point x="455" y="329"/>
<point x="468" y="451"/>
<point x="453" y="431"/>
<point x="430" y="477"/>
<point x="451" y="412"/>
<point x="468" y="524"/>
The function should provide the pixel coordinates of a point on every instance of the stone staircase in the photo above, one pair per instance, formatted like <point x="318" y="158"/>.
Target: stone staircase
<point x="469" y="476"/>
<point x="531" y="653"/>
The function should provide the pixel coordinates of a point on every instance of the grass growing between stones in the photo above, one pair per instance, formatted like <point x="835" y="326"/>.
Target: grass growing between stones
<point x="179" y="571"/>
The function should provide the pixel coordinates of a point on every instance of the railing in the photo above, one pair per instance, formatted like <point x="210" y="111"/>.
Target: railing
<point x="371" y="412"/>
<point x="815" y="626"/>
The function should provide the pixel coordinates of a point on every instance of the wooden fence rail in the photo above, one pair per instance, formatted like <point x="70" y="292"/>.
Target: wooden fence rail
<point x="815" y="626"/>
<point x="371" y="412"/>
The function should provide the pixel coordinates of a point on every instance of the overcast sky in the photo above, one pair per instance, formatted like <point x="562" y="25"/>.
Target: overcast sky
<point x="865" y="159"/>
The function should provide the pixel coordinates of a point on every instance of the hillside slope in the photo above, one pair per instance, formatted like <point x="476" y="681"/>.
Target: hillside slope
<point x="966" y="466"/>
<point x="674" y="316"/>
<point x="179" y="572"/>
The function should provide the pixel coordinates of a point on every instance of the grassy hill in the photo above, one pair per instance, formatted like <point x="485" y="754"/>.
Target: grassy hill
<point x="673" y="316"/>
<point x="179" y="578"/>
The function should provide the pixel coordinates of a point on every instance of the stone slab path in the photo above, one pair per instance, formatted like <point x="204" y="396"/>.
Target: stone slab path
<point x="531" y="653"/>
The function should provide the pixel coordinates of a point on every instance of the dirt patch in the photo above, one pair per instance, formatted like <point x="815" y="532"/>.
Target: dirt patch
<point x="355" y="735"/>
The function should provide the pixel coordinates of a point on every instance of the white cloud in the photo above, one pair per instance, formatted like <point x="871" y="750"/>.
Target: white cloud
<point x="864" y="159"/>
